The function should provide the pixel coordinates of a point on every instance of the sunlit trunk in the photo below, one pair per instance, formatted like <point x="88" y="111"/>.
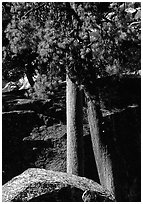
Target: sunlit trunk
<point x="100" y="148"/>
<point x="74" y="129"/>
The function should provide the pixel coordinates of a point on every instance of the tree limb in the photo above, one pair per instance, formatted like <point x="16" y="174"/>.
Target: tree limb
<point x="31" y="10"/>
<point x="72" y="11"/>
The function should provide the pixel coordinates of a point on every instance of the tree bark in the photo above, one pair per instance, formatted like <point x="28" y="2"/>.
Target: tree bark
<point x="29" y="74"/>
<point x="74" y="129"/>
<point x="100" y="148"/>
<point x="30" y="79"/>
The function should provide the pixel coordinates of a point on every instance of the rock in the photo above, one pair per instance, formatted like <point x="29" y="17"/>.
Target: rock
<point x="92" y="196"/>
<point x="15" y="126"/>
<point x="45" y="147"/>
<point x="19" y="123"/>
<point x="24" y="83"/>
<point x="27" y="104"/>
<point x="44" y="133"/>
<point x="43" y="185"/>
<point x="4" y="82"/>
<point x="55" y="131"/>
<point x="10" y="86"/>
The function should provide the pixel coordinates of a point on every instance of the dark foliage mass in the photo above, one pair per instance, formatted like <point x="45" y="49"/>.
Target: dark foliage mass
<point x="87" y="39"/>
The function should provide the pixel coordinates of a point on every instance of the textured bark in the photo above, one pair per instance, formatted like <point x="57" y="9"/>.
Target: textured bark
<point x="74" y="129"/>
<point x="29" y="77"/>
<point x="100" y="148"/>
<point x="39" y="184"/>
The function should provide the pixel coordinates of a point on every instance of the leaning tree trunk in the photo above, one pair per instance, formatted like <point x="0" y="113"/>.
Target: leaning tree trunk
<point x="100" y="148"/>
<point x="29" y="74"/>
<point x="30" y="79"/>
<point x="74" y="129"/>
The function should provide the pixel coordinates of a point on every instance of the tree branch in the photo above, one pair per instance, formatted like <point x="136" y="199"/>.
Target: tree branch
<point x="31" y="10"/>
<point x="72" y="11"/>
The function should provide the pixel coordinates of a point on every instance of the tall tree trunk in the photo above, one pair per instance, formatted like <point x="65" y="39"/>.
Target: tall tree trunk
<point x="29" y="74"/>
<point x="30" y="79"/>
<point x="100" y="148"/>
<point x="74" y="129"/>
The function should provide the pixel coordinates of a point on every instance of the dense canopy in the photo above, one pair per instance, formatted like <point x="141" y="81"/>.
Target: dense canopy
<point x="88" y="39"/>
